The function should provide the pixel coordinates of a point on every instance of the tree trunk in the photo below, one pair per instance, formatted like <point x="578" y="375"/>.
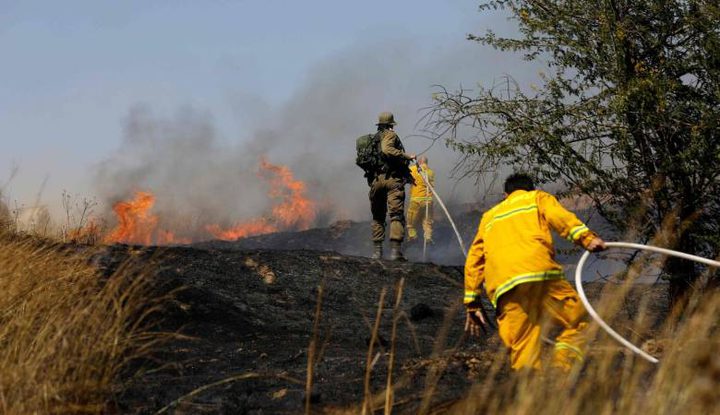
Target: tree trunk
<point x="682" y="275"/>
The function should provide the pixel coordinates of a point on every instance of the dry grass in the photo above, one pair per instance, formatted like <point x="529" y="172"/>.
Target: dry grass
<point x="65" y="331"/>
<point x="79" y="222"/>
<point x="686" y="380"/>
<point x="612" y="379"/>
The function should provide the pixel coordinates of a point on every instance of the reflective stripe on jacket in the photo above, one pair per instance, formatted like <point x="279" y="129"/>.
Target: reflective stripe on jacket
<point x="513" y="244"/>
<point x="419" y="190"/>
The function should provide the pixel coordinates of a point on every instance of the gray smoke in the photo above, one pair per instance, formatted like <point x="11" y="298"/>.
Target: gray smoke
<point x="200" y="178"/>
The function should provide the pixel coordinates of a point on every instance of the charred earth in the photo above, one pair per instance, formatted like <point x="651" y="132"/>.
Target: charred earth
<point x="250" y="314"/>
<point x="245" y="324"/>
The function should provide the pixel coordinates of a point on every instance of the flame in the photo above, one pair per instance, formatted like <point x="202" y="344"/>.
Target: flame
<point x="241" y="230"/>
<point x="136" y="223"/>
<point x="294" y="211"/>
<point x="138" y="226"/>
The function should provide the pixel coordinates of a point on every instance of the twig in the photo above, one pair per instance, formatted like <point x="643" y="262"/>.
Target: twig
<point x="311" y="351"/>
<point x="366" y="408"/>
<point x="396" y="317"/>
<point x="231" y="379"/>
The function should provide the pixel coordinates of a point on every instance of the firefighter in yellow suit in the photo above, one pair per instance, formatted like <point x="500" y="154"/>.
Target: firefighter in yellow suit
<point x="513" y="255"/>
<point x="420" y="208"/>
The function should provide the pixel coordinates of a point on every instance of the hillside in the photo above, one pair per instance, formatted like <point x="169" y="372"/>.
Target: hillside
<point x="250" y="314"/>
<point x="253" y="312"/>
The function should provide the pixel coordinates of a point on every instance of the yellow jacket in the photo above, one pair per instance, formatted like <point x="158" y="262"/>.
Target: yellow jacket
<point x="419" y="190"/>
<point x="513" y="244"/>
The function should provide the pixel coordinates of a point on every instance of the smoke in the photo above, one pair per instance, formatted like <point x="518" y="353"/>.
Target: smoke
<point x="199" y="177"/>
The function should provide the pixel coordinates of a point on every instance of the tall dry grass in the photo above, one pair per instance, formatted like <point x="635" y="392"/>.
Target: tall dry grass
<point x="612" y="380"/>
<point x="65" y="330"/>
<point x="687" y="379"/>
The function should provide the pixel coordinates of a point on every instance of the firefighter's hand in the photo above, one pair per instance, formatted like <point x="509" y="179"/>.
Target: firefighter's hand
<point x="474" y="323"/>
<point x="412" y="156"/>
<point x="596" y="245"/>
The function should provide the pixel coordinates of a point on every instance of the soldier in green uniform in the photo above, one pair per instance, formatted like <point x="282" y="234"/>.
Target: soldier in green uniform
<point x="387" y="189"/>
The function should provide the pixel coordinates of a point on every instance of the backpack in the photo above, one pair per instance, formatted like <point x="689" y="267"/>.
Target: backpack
<point x="368" y="155"/>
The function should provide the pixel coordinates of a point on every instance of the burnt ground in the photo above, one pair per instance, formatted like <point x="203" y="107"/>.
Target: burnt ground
<point x="246" y="311"/>
<point x="248" y="318"/>
<point x="253" y="312"/>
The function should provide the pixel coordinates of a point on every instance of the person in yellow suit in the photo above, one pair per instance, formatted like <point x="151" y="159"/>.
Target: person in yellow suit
<point x="513" y="255"/>
<point x="420" y="208"/>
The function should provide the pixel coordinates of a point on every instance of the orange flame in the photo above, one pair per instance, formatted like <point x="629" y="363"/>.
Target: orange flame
<point x="241" y="230"/>
<point x="293" y="212"/>
<point x="136" y="224"/>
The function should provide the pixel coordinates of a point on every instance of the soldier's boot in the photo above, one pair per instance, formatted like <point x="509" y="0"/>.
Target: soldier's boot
<point x="396" y="251"/>
<point x="377" y="250"/>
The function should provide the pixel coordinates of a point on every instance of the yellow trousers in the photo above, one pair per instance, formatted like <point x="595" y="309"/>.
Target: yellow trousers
<point x="416" y="213"/>
<point x="528" y="310"/>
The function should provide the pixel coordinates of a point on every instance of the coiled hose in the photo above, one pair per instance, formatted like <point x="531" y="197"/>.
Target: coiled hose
<point x="594" y="314"/>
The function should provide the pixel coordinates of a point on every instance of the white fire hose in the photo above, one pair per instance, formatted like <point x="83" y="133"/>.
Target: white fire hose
<point x="578" y="272"/>
<point x="442" y="205"/>
<point x="594" y="314"/>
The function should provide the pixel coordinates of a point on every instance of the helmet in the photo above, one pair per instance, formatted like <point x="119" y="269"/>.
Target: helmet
<point x="386" y="118"/>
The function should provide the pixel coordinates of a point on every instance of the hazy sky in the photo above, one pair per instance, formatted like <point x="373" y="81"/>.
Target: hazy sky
<point x="72" y="70"/>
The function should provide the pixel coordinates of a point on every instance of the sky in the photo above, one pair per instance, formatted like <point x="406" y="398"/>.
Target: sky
<point x="75" y="74"/>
